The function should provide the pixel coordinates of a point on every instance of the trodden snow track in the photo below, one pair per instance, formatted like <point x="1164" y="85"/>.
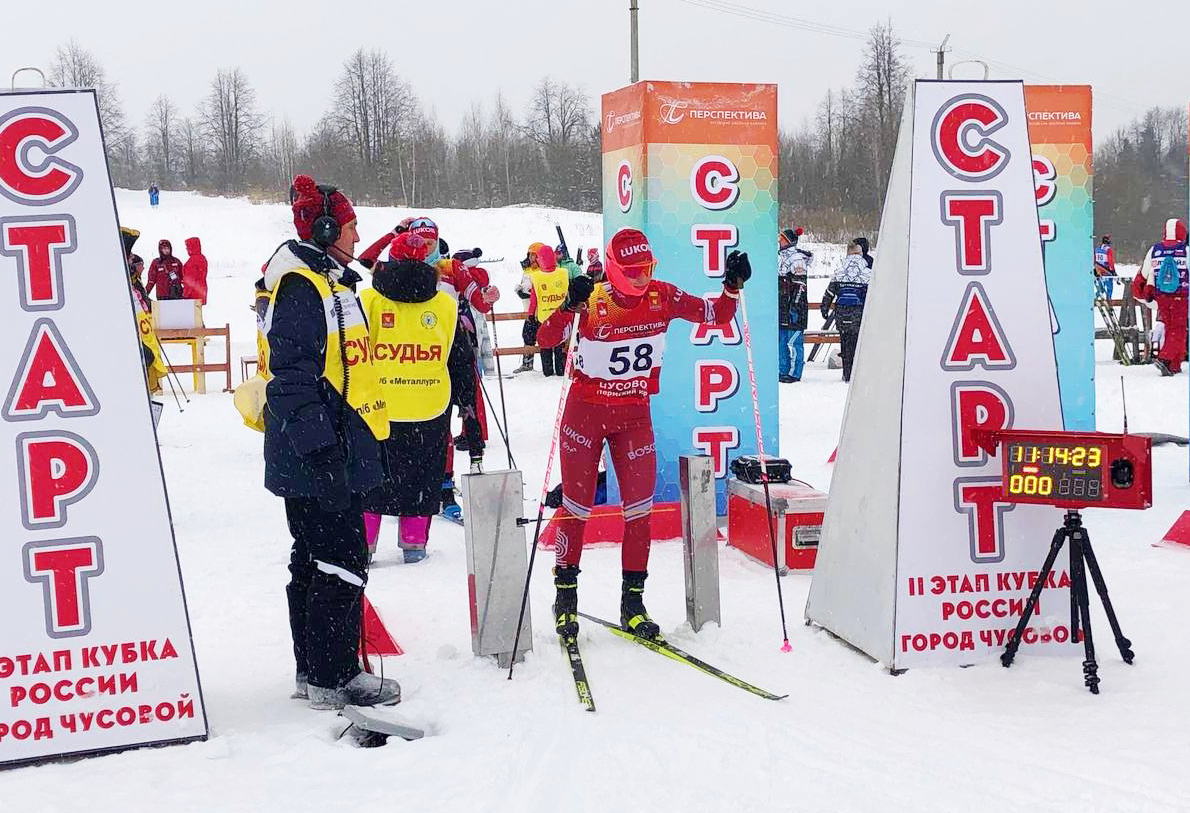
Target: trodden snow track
<point x="848" y="738"/>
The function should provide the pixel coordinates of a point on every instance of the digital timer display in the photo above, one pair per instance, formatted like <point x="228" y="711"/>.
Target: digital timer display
<point x="1072" y="469"/>
<point x="1062" y="472"/>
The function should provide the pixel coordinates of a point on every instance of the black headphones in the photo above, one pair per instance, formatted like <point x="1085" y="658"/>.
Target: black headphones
<point x="326" y="230"/>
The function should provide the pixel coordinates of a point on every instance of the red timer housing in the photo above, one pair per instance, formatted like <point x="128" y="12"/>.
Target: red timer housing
<point x="1073" y="469"/>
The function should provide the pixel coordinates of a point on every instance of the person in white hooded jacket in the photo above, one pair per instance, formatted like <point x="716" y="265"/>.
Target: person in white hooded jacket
<point x="847" y="292"/>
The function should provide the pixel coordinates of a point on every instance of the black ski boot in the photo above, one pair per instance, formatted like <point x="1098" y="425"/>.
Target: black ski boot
<point x="634" y="617"/>
<point x="566" y="603"/>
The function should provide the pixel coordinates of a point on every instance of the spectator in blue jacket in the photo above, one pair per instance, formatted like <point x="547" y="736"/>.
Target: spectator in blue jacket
<point x="792" y="304"/>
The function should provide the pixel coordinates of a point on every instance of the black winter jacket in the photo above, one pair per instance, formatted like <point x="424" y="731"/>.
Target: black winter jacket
<point x="304" y="413"/>
<point x="415" y="454"/>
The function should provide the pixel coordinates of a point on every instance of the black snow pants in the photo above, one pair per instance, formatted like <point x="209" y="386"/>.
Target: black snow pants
<point x="848" y="319"/>
<point x="328" y="569"/>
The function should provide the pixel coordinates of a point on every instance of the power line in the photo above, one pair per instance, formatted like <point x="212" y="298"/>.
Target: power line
<point x="785" y="21"/>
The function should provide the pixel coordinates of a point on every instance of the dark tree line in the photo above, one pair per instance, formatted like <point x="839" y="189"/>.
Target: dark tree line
<point x="380" y="143"/>
<point x="1140" y="180"/>
<point x="376" y="140"/>
<point x="834" y="170"/>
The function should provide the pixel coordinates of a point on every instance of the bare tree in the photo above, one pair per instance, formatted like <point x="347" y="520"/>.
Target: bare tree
<point x="193" y="152"/>
<point x="74" y="66"/>
<point x="502" y="138"/>
<point x="283" y="149"/>
<point x="161" y="124"/>
<point x="231" y="126"/>
<point x="557" y="119"/>
<point x="880" y="85"/>
<point x="469" y="153"/>
<point x="374" y="108"/>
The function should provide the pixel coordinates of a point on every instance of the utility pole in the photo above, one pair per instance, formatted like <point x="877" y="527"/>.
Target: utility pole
<point x="632" y="10"/>
<point x="941" y="52"/>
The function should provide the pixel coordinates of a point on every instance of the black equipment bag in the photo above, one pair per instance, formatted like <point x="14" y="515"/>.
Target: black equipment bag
<point x="746" y="469"/>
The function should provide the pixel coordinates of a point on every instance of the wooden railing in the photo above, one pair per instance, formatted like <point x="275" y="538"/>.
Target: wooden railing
<point x="810" y="336"/>
<point x="1136" y="334"/>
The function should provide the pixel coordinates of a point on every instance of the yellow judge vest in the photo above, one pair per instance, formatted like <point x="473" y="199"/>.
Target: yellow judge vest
<point x="550" y="287"/>
<point x="262" y="339"/>
<point x="364" y="393"/>
<point x="411" y="342"/>
<point x="148" y="337"/>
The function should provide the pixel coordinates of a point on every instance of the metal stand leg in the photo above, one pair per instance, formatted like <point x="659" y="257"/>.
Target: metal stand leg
<point x="1078" y="588"/>
<point x="1075" y="619"/>
<point x="1124" y="645"/>
<point x="1014" y="640"/>
<point x="1082" y="560"/>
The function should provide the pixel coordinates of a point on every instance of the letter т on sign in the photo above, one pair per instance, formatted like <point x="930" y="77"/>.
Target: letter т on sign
<point x="95" y="651"/>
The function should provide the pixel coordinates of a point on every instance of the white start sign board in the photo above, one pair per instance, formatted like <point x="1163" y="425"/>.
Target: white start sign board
<point x="920" y="563"/>
<point x="95" y="647"/>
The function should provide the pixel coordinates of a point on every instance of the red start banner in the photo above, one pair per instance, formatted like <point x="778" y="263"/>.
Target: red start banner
<point x="95" y="649"/>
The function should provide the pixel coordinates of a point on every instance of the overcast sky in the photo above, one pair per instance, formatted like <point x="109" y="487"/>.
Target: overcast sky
<point x="456" y="52"/>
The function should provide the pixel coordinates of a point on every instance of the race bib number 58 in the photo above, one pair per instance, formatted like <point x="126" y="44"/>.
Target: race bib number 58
<point x="620" y="360"/>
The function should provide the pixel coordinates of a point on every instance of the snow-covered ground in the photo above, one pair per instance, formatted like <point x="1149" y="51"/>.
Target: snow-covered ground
<point x="666" y="738"/>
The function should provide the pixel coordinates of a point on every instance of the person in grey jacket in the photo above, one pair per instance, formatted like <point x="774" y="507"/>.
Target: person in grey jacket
<point x="847" y="292"/>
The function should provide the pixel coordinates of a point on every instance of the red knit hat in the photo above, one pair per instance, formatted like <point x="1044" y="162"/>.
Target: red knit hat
<point x="309" y="205"/>
<point x="547" y="258"/>
<point x="409" y="246"/>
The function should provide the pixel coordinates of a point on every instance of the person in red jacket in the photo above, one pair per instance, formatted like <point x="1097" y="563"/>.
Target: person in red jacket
<point x="1171" y="301"/>
<point x="617" y="368"/>
<point x="194" y="272"/>
<point x="165" y="273"/>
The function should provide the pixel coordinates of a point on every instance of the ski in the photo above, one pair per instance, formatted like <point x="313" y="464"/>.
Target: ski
<point x="371" y="728"/>
<point x="662" y="647"/>
<point x="1112" y="325"/>
<point x="575" y="659"/>
<point x="452" y="519"/>
<point x="827" y="324"/>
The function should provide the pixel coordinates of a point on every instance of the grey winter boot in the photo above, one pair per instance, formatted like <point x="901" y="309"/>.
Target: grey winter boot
<point x="301" y="689"/>
<point x="363" y="690"/>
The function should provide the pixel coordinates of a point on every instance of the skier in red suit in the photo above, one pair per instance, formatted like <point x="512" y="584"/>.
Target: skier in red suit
<point x="617" y="367"/>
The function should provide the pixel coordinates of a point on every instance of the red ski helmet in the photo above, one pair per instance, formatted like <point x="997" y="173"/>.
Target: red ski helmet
<point x="424" y="228"/>
<point x="629" y="262"/>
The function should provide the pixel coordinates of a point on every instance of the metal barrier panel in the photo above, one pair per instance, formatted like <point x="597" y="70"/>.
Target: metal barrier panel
<point x="700" y="538"/>
<point x="497" y="561"/>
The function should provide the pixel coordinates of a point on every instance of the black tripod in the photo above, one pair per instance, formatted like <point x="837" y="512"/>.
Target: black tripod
<point x="1082" y="559"/>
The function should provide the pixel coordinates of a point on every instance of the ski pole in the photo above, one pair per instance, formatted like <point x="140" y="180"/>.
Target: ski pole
<point x="545" y="485"/>
<point x="764" y="469"/>
<point x="502" y="430"/>
<point x="169" y="370"/>
<point x="173" y="391"/>
<point x="500" y="383"/>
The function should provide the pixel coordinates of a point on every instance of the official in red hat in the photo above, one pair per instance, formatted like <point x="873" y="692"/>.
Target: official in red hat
<point x="324" y="418"/>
